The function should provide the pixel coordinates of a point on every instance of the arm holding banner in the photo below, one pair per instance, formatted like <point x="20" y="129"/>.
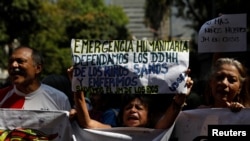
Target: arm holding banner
<point x="82" y="113"/>
<point x="134" y="119"/>
<point x="176" y="106"/>
<point x="83" y="116"/>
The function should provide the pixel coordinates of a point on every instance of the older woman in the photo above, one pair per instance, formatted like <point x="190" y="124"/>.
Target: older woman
<point x="228" y="85"/>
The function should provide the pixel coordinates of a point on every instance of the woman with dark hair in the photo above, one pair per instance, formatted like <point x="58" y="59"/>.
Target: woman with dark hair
<point x="141" y="103"/>
<point x="135" y="111"/>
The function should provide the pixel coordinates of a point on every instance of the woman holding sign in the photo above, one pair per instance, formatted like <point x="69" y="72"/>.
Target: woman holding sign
<point x="228" y="86"/>
<point x="134" y="113"/>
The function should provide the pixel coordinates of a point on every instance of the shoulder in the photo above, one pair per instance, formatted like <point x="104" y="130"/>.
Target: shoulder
<point x="4" y="91"/>
<point x="52" y="91"/>
<point x="112" y="111"/>
<point x="57" y="96"/>
<point x="110" y="117"/>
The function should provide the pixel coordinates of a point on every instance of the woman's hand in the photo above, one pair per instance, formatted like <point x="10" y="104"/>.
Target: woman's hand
<point x="72" y="114"/>
<point x="179" y="99"/>
<point x="235" y="106"/>
<point x="189" y="84"/>
<point x="70" y="73"/>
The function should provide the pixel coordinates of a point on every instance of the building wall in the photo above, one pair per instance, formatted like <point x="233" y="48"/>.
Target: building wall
<point x="135" y="12"/>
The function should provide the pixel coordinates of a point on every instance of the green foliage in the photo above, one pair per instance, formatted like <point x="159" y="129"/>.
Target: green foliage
<point x="49" y="25"/>
<point x="105" y="23"/>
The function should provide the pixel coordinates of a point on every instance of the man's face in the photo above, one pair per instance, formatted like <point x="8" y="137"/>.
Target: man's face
<point x="21" y="67"/>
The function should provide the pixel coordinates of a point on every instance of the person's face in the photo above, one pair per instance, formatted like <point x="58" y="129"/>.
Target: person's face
<point x="225" y="85"/>
<point x="21" y="67"/>
<point x="135" y="114"/>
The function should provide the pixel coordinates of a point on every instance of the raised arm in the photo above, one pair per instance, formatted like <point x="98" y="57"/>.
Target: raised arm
<point x="173" y="110"/>
<point x="83" y="117"/>
<point x="82" y="113"/>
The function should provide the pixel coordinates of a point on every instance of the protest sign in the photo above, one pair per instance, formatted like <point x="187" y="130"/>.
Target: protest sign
<point x="226" y="33"/>
<point x="129" y="66"/>
<point x="34" y="125"/>
<point x="192" y="125"/>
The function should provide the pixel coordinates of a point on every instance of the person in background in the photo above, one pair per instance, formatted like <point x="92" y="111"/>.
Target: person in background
<point x="228" y="86"/>
<point x="104" y="107"/>
<point x="26" y="90"/>
<point x="135" y="111"/>
<point x="63" y="84"/>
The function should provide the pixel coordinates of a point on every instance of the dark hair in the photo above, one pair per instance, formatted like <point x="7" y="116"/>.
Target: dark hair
<point x="127" y="98"/>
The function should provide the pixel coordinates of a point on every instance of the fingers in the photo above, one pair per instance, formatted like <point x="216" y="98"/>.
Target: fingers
<point x="70" y="72"/>
<point x="235" y="106"/>
<point x="189" y="85"/>
<point x="189" y="82"/>
<point x="72" y="114"/>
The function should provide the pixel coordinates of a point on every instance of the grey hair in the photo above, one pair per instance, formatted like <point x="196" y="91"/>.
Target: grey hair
<point x="231" y="61"/>
<point x="36" y="55"/>
<point x="244" y="96"/>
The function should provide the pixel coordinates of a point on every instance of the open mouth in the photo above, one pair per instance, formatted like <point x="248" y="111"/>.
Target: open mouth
<point x="223" y="92"/>
<point x="16" y="71"/>
<point x="223" y="95"/>
<point x="133" y="118"/>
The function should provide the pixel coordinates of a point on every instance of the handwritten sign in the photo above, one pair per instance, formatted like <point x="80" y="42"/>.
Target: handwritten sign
<point x="129" y="67"/>
<point x="226" y="33"/>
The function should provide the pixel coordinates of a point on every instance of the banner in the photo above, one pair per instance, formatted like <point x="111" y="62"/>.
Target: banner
<point x="129" y="67"/>
<point x="226" y="33"/>
<point x="193" y="125"/>
<point x="34" y="125"/>
<point x="37" y="125"/>
<point x="122" y="134"/>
